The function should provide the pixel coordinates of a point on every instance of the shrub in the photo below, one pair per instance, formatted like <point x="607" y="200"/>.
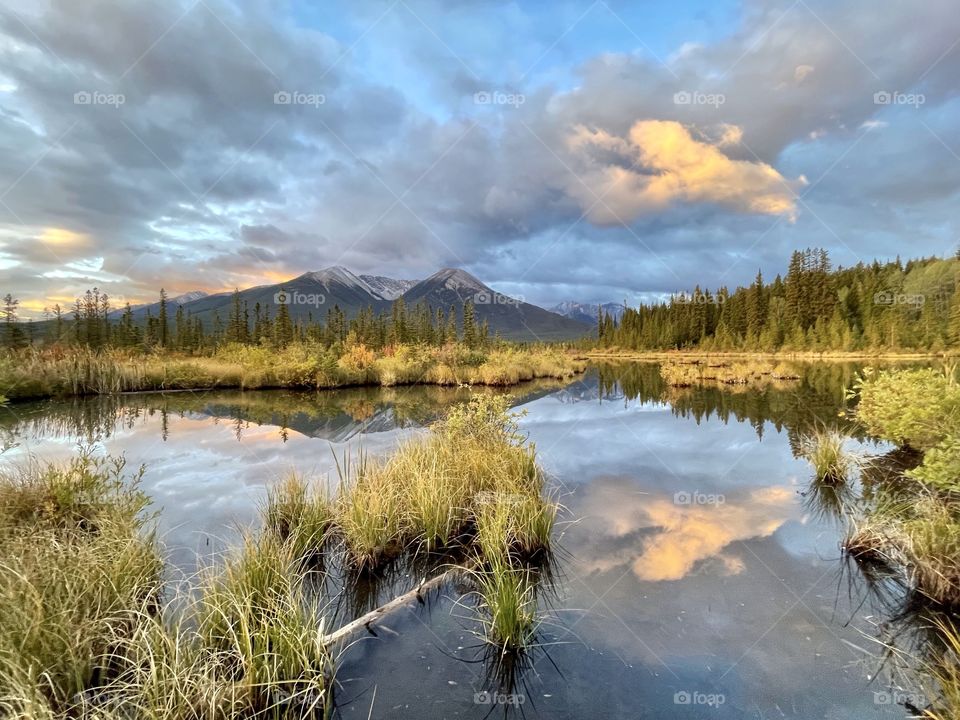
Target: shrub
<point x="918" y="408"/>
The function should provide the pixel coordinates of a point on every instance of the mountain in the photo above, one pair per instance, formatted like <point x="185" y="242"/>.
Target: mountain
<point x="587" y="312"/>
<point x="154" y="308"/>
<point x="306" y="296"/>
<point x="387" y="288"/>
<point x="310" y="295"/>
<point x="512" y="318"/>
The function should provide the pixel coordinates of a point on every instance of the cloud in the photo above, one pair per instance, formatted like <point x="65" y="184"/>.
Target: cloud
<point x="660" y="540"/>
<point x="688" y="534"/>
<point x="399" y="172"/>
<point x="660" y="163"/>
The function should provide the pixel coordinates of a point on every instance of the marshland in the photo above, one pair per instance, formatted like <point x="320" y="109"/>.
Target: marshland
<point x="743" y="544"/>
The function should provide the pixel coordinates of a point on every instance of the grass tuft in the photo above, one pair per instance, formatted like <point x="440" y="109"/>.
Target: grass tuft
<point x="300" y="516"/>
<point x="825" y="451"/>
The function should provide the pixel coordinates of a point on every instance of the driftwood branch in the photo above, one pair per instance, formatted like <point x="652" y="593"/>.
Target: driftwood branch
<point x="367" y="621"/>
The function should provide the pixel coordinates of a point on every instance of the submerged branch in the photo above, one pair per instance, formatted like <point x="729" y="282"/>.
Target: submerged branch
<point x="374" y="616"/>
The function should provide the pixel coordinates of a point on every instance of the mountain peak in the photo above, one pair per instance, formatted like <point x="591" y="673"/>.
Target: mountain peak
<point x="456" y="279"/>
<point x="336" y="273"/>
<point x="386" y="287"/>
<point x="587" y="312"/>
<point x="188" y="297"/>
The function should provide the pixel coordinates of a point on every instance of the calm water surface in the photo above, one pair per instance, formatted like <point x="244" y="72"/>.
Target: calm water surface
<point x="698" y="577"/>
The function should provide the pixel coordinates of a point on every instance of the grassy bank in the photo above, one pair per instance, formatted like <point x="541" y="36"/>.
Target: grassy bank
<point x="57" y="371"/>
<point x="805" y="355"/>
<point x="88" y="630"/>
<point x="85" y="630"/>
<point x="696" y="372"/>
<point x="909" y="530"/>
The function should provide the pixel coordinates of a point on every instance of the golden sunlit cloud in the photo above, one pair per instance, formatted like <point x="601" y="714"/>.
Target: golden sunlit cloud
<point x="690" y="533"/>
<point x="661" y="163"/>
<point x="673" y="537"/>
<point x="63" y="237"/>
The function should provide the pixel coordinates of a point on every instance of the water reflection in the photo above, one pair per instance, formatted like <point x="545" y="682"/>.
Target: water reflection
<point x="662" y="588"/>
<point x="337" y="416"/>
<point x="664" y="538"/>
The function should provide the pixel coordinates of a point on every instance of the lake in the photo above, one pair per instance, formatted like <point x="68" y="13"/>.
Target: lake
<point x="697" y="575"/>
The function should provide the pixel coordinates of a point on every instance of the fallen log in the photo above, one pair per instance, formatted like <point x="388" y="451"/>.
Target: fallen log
<point x="368" y="620"/>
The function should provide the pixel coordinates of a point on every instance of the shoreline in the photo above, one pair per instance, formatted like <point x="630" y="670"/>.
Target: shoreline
<point x="830" y="356"/>
<point x="373" y="383"/>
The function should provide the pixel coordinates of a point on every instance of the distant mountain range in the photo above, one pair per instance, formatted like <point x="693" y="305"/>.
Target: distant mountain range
<point x="586" y="312"/>
<point x="310" y="295"/>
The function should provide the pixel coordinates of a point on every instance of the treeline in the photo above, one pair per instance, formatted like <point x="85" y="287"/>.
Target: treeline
<point x="94" y="323"/>
<point x="814" y="307"/>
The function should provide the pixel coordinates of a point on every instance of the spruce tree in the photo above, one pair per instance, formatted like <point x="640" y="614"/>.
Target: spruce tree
<point x="470" y="336"/>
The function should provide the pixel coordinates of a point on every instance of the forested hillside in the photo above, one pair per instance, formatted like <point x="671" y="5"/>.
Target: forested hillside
<point x="813" y="307"/>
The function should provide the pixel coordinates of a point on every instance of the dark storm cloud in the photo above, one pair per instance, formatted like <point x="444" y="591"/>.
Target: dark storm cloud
<point x="615" y="184"/>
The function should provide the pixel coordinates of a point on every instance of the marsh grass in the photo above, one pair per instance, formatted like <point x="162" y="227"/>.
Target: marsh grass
<point x="433" y="490"/>
<point x="825" y="450"/>
<point x="64" y="371"/>
<point x="256" y="620"/>
<point x="78" y="567"/>
<point x="515" y="526"/>
<point x="507" y="598"/>
<point x="83" y="626"/>
<point x="931" y="539"/>
<point x="471" y="486"/>
<point x="918" y="537"/>
<point x="299" y="515"/>
<point x="702" y="372"/>
<point x="945" y="669"/>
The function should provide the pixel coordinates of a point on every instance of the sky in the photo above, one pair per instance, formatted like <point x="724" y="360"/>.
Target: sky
<point x="582" y="151"/>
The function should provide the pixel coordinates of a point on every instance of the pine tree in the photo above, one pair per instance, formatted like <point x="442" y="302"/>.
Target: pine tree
<point x="469" y="325"/>
<point x="451" y="332"/>
<point x="164" y="328"/>
<point x="282" y="327"/>
<point x="12" y="333"/>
